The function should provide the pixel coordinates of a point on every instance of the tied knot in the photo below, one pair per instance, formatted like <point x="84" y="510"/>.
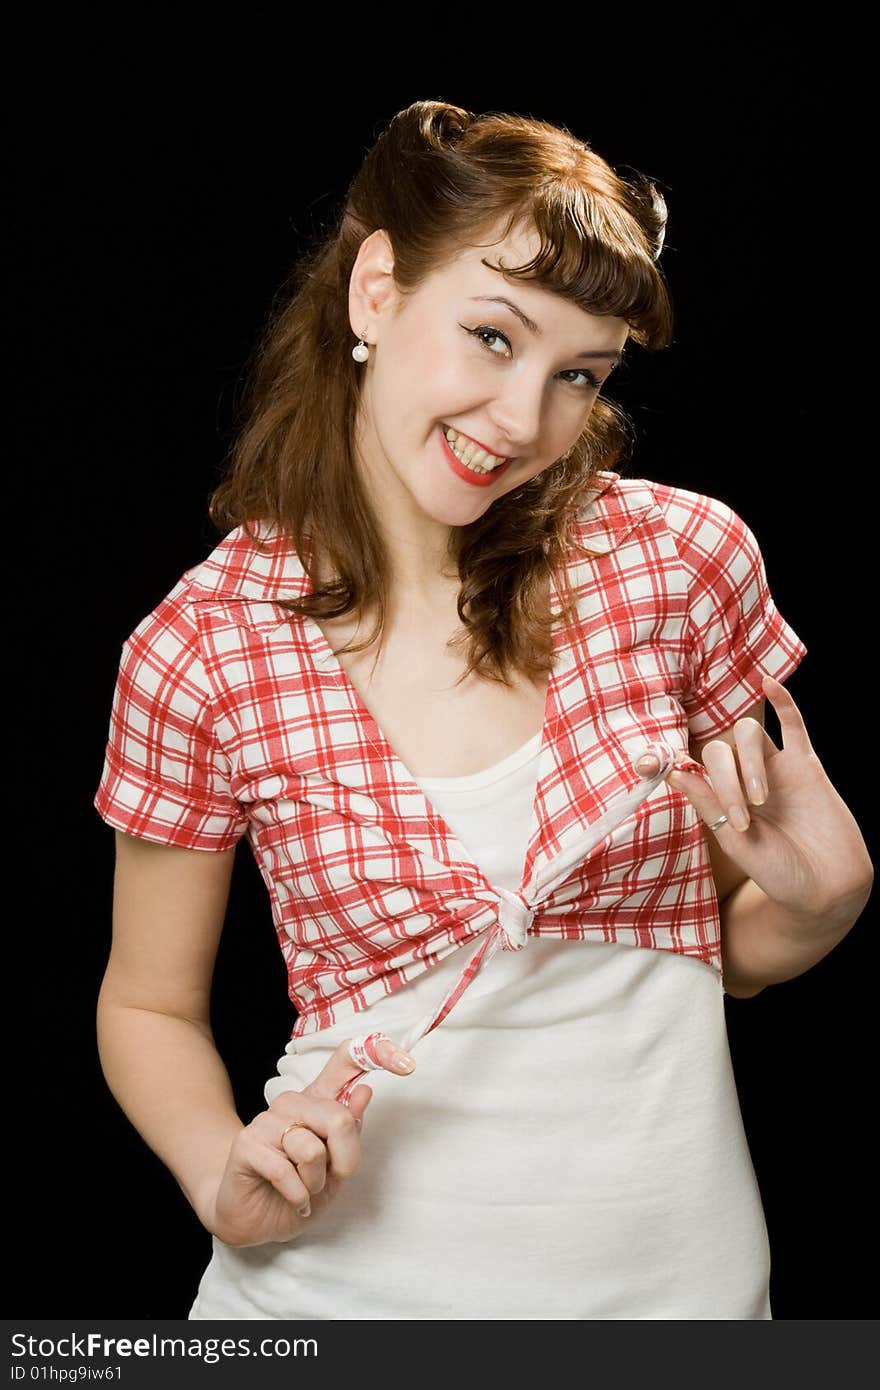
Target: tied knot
<point x="514" y="919"/>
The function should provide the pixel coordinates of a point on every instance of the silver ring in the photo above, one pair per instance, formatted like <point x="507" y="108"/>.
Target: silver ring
<point x="722" y="820"/>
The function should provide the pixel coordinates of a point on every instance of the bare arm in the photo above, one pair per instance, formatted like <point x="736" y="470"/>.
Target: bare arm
<point x="153" y="1016"/>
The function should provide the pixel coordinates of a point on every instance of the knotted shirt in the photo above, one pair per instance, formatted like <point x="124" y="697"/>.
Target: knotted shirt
<point x="232" y="717"/>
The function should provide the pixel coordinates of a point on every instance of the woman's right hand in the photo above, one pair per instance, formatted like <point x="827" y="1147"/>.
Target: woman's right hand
<point x="266" y="1190"/>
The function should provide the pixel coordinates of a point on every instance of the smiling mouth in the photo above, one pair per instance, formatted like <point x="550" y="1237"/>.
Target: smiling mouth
<point x="472" y="455"/>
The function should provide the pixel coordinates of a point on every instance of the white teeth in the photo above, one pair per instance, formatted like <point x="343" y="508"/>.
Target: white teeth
<point x="470" y="455"/>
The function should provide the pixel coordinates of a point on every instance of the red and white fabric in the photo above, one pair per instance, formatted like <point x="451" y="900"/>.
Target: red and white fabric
<point x="232" y="718"/>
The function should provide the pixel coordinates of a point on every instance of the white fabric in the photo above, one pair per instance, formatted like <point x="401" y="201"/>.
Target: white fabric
<point x="470" y="805"/>
<point x="570" y="1144"/>
<point x="516" y="910"/>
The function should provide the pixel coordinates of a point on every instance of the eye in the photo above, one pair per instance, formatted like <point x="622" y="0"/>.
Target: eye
<point x="482" y="333"/>
<point x="591" y="381"/>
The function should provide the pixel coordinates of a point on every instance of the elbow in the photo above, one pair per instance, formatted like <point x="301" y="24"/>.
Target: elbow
<point x="741" y="991"/>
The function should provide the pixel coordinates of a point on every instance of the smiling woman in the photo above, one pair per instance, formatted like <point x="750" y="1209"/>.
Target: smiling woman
<point x="410" y="270"/>
<point x="462" y="854"/>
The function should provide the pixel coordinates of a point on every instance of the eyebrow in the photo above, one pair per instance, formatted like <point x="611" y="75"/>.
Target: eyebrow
<point x="613" y="355"/>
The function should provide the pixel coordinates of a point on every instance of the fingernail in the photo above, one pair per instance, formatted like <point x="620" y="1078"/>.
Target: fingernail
<point x="306" y="1210"/>
<point x="738" y="818"/>
<point x="401" y="1060"/>
<point x="758" y="790"/>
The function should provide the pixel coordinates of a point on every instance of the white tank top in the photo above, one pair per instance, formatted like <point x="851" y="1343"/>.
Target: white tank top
<point x="491" y="811"/>
<point x="570" y="1146"/>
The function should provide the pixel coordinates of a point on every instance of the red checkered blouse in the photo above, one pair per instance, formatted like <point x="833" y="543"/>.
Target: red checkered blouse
<point x="232" y="717"/>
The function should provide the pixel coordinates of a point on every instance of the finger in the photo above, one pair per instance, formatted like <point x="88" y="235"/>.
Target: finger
<point x="791" y="721"/>
<point x="649" y="764"/>
<point x="703" y="796"/>
<point x="308" y="1154"/>
<point x="328" y="1105"/>
<point x="751" y="739"/>
<point x="360" y="1099"/>
<point x="267" y="1161"/>
<point x="720" y="761"/>
<point x="738" y="773"/>
<point x="335" y="1124"/>
<point x="341" y="1068"/>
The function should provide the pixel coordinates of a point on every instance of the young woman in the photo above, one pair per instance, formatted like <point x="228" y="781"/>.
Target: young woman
<point x="440" y="670"/>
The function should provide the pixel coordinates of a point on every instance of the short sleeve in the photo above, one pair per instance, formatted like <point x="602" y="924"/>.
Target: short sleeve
<point x="735" y="634"/>
<point x="165" y="777"/>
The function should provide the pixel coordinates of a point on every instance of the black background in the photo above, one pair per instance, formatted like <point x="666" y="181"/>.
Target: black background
<point x="163" y="183"/>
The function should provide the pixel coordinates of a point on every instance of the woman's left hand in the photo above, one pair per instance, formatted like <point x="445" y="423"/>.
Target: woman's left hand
<point x="802" y="845"/>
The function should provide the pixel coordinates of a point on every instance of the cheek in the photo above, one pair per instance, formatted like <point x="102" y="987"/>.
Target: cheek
<point x="571" y="427"/>
<point x="419" y="385"/>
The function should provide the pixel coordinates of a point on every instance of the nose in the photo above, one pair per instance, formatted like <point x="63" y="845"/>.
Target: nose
<point x="517" y="414"/>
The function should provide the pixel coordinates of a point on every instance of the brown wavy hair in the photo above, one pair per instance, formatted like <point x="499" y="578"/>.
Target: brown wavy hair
<point x="437" y="178"/>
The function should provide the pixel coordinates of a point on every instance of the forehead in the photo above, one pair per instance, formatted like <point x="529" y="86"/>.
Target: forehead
<point x="515" y="249"/>
<point x="467" y="274"/>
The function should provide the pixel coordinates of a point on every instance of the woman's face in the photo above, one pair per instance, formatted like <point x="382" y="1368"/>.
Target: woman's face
<point x="451" y="355"/>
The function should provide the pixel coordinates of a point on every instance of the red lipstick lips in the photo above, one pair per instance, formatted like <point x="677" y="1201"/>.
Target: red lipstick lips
<point x="467" y="474"/>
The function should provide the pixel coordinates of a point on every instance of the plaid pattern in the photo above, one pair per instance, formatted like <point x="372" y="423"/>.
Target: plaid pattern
<point x="232" y="717"/>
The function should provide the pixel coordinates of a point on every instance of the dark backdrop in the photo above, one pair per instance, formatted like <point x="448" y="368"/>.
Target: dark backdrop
<point x="163" y="186"/>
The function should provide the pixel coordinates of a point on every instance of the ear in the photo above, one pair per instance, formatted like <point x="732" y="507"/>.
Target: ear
<point x="371" y="290"/>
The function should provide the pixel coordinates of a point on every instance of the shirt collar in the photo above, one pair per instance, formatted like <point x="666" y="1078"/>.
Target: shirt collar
<point x="236" y="571"/>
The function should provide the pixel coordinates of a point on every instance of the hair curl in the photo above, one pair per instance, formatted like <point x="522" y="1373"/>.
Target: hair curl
<point x="437" y="178"/>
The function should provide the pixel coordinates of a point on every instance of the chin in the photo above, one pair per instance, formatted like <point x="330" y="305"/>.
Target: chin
<point x="451" y="516"/>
